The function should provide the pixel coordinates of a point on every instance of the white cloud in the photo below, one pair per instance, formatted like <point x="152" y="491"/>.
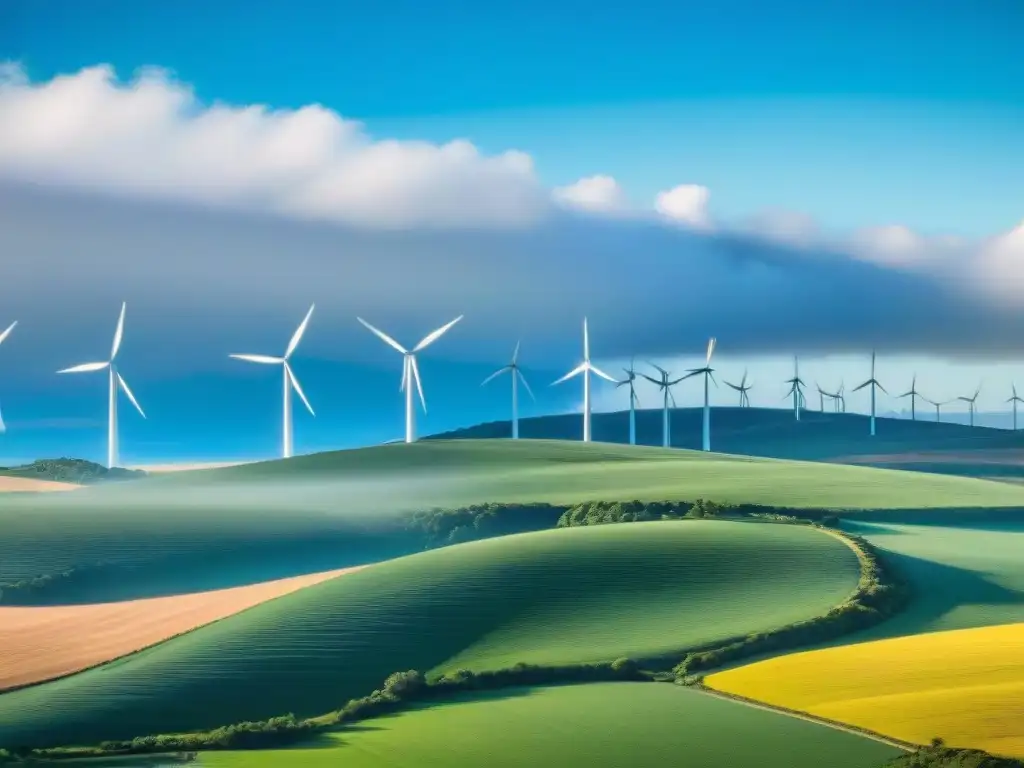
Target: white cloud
<point x="686" y="204"/>
<point x="595" y="194"/>
<point x="152" y="137"/>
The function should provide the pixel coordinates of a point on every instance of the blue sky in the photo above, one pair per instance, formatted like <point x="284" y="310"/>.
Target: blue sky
<point x="856" y="115"/>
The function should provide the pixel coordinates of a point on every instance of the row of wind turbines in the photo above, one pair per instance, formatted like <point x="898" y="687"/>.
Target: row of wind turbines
<point x="411" y="378"/>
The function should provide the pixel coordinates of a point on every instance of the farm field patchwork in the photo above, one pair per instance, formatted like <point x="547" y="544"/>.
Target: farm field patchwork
<point x="205" y="529"/>
<point x="608" y="725"/>
<point x="965" y="686"/>
<point x="560" y="596"/>
<point x="44" y="643"/>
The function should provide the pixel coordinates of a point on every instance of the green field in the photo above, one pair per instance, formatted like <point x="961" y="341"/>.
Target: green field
<point x="610" y="725"/>
<point x="209" y="528"/>
<point x="560" y="596"/>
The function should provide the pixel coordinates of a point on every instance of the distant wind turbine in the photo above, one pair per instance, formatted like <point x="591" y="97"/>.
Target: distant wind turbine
<point x="795" y="388"/>
<point x="873" y="383"/>
<point x="116" y="380"/>
<point x="841" y="398"/>
<point x="822" y="394"/>
<point x="586" y="368"/>
<point x="742" y="388"/>
<point x="517" y="375"/>
<point x="666" y="389"/>
<point x="971" y="403"/>
<point x="708" y="376"/>
<point x="633" y="399"/>
<point x="3" y="336"/>
<point x="836" y="397"/>
<point x="938" y="406"/>
<point x="913" y="394"/>
<point x="411" y="371"/>
<point x="290" y="382"/>
<point x="1013" y="400"/>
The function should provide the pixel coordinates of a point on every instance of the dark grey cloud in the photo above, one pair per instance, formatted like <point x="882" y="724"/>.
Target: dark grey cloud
<point x="203" y="283"/>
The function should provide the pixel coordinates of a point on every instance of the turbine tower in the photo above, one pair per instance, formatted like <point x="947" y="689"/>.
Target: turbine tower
<point x="3" y="336"/>
<point x="836" y="397"/>
<point x="970" y="403"/>
<point x="116" y="380"/>
<point x="873" y="383"/>
<point x="517" y="375"/>
<point x="708" y="376"/>
<point x="586" y="368"/>
<point x="290" y="382"/>
<point x="1013" y="400"/>
<point x="742" y="388"/>
<point x="795" y="388"/>
<point x="665" y="386"/>
<point x="938" y="406"/>
<point x="822" y="394"/>
<point x="841" y="398"/>
<point x="913" y="394"/>
<point x="633" y="399"/>
<point x="411" y="371"/>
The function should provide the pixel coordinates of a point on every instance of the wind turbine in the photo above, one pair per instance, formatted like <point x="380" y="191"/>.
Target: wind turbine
<point x="873" y="383"/>
<point x="836" y="397"/>
<point x="708" y="376"/>
<point x="517" y="374"/>
<point x="633" y="399"/>
<point x="913" y="394"/>
<point x="290" y="382"/>
<point x="5" y="334"/>
<point x="822" y="394"/>
<point x="938" y="406"/>
<point x="665" y="386"/>
<point x="1013" y="400"/>
<point x="742" y="388"/>
<point x="410" y="371"/>
<point x="116" y="380"/>
<point x="841" y="398"/>
<point x="970" y="403"/>
<point x="586" y="368"/>
<point x="795" y="390"/>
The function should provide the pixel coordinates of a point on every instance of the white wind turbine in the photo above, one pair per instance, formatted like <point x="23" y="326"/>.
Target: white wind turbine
<point x="517" y="374"/>
<point x="634" y="401"/>
<point x="116" y="380"/>
<point x="708" y="376"/>
<point x="586" y="368"/>
<point x="410" y="371"/>
<point x="5" y="334"/>
<point x="290" y="382"/>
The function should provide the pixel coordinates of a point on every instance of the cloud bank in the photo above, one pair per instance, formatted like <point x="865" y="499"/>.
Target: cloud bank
<point x="221" y="224"/>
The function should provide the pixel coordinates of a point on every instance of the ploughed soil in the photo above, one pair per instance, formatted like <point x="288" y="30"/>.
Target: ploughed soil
<point x="44" y="643"/>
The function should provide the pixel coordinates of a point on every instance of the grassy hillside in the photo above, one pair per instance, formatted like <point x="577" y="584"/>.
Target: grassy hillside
<point x="78" y="471"/>
<point x="610" y="725"/>
<point x="771" y="432"/>
<point x="965" y="686"/>
<point x="221" y="527"/>
<point x="561" y="596"/>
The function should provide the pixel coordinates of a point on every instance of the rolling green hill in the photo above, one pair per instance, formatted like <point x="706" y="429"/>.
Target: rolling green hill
<point x="770" y="432"/>
<point x="561" y="596"/>
<point x="219" y="527"/>
<point x="610" y="725"/>
<point x="66" y="470"/>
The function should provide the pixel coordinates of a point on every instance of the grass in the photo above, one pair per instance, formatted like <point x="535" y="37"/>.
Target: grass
<point x="556" y="597"/>
<point x="609" y="725"/>
<point x="223" y="527"/>
<point x="965" y="686"/>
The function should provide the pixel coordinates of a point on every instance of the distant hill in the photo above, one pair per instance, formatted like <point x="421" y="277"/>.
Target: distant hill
<point x="66" y="470"/>
<point x="774" y="433"/>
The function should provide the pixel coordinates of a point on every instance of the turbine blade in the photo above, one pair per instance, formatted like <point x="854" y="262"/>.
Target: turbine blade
<point x="881" y="388"/>
<point x="574" y="372"/>
<point x="433" y="336"/>
<point x="601" y="373"/>
<point x="744" y="379"/>
<point x="263" y="359"/>
<point x="496" y="373"/>
<point x="653" y="381"/>
<point x="866" y="383"/>
<point x="298" y="388"/>
<point x="415" y="370"/>
<point x="119" y="333"/>
<point x="712" y="377"/>
<point x="405" y="373"/>
<point x="3" y="427"/>
<point x="586" y="341"/>
<point x="297" y="336"/>
<point x="85" y="368"/>
<point x="672" y="397"/>
<point x="690" y="375"/>
<point x="515" y="355"/>
<point x="124" y="386"/>
<point x="711" y="348"/>
<point x="733" y="386"/>
<point x="523" y="379"/>
<point x="7" y="333"/>
<point x="659" y="368"/>
<point x="383" y="336"/>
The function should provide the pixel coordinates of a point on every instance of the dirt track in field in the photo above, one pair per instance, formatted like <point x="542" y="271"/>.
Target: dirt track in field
<point x="44" y="643"/>
<point x="28" y="484"/>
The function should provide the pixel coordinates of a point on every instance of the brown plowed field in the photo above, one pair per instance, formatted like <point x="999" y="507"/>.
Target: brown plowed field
<point x="38" y="644"/>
